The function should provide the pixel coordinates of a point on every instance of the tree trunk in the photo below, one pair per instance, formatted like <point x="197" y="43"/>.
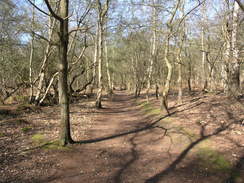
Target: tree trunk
<point x="204" y="51"/>
<point x="48" y="88"/>
<point x="179" y="54"/>
<point x="31" y="56"/>
<point x="179" y="79"/>
<point x="204" y="78"/>
<point x="110" y="89"/>
<point x="156" y="91"/>
<point x="234" y="66"/>
<point x="102" y="13"/>
<point x="93" y="85"/>
<point x="44" y="62"/>
<point x="153" y="51"/>
<point x="189" y="76"/>
<point x="100" y="60"/>
<point x="224" y="66"/>
<point x="165" y="93"/>
<point x="65" y="136"/>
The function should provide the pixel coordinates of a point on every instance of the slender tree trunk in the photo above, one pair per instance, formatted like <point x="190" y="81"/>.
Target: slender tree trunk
<point x="153" y="51"/>
<point x="110" y="89"/>
<point x="165" y="92"/>
<point x="100" y="60"/>
<point x="65" y="135"/>
<point x="179" y="54"/>
<point x="224" y="66"/>
<point x="204" y="79"/>
<point x="156" y="90"/>
<point x="41" y="75"/>
<point x="189" y="77"/>
<point x="134" y="62"/>
<point x="234" y="66"/>
<point x="31" y="55"/>
<point x="204" y="72"/>
<point x="179" y="79"/>
<point x="102" y="13"/>
<point x="48" y="88"/>
<point x="95" y="58"/>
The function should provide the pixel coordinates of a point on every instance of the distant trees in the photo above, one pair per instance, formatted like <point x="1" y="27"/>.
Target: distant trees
<point x="135" y="45"/>
<point x="13" y="55"/>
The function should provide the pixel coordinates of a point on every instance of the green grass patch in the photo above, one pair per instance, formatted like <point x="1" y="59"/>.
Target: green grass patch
<point x="149" y="109"/>
<point x="41" y="141"/>
<point x="22" y="99"/>
<point x="55" y="145"/>
<point x="39" y="138"/>
<point x="213" y="161"/>
<point x="27" y="108"/>
<point x="26" y="129"/>
<point x="2" y="134"/>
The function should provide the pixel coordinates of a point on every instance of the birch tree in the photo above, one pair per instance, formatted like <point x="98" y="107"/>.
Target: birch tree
<point x="234" y="65"/>
<point x="102" y="10"/>
<point x="153" y="47"/>
<point x="31" y="55"/>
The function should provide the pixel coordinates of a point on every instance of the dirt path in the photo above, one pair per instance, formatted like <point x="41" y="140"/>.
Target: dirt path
<point x="122" y="158"/>
<point x="127" y="149"/>
<point x="146" y="155"/>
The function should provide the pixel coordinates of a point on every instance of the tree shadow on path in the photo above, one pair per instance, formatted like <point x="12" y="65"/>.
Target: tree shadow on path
<point x="159" y="176"/>
<point x="134" y="157"/>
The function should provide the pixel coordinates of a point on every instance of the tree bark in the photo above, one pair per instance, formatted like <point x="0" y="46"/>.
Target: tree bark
<point x="93" y="85"/>
<point x="153" y="50"/>
<point x="45" y="61"/>
<point x="110" y="89"/>
<point x="48" y="88"/>
<point x="100" y="60"/>
<point x="31" y="55"/>
<point x="165" y="92"/>
<point x="102" y="13"/>
<point x="234" y="66"/>
<point x="204" y="72"/>
<point x="65" y="135"/>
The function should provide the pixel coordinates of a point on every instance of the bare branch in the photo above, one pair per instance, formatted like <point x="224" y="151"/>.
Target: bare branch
<point x="240" y="4"/>
<point x="80" y="29"/>
<point x="52" y="12"/>
<point x="39" y="9"/>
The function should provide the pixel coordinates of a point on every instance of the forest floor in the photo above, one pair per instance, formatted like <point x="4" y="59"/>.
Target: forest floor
<point x="128" y="141"/>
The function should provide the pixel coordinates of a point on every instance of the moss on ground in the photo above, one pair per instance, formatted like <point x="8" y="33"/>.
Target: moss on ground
<point x="55" y="145"/>
<point x="149" y="109"/>
<point x="26" y="129"/>
<point x="39" y="139"/>
<point x="213" y="161"/>
<point x="2" y="134"/>
<point x="27" y="108"/>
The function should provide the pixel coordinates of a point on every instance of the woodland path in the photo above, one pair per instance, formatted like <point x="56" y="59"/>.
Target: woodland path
<point x="126" y="148"/>
<point x="129" y="143"/>
<point x="127" y="158"/>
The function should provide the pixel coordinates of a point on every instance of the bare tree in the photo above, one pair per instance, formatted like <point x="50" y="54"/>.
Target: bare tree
<point x="153" y="47"/>
<point x="102" y="12"/>
<point x="234" y="65"/>
<point x="63" y="18"/>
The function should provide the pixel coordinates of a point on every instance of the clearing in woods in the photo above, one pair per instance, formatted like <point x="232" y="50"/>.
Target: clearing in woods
<point x="202" y="142"/>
